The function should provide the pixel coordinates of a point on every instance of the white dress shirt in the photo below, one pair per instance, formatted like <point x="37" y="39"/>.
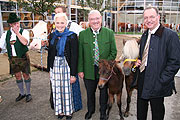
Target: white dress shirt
<point x="152" y="32"/>
<point x="75" y="27"/>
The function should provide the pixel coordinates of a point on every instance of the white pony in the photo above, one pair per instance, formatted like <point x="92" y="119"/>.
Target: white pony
<point x="129" y="55"/>
<point x="40" y="33"/>
<point x="130" y="49"/>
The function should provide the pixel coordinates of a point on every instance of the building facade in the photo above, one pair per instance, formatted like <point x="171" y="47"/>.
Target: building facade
<point x="123" y="15"/>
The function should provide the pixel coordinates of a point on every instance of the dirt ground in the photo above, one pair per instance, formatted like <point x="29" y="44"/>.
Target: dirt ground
<point x="39" y="107"/>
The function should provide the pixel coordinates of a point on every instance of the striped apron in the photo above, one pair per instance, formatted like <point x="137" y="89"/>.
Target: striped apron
<point x="61" y="87"/>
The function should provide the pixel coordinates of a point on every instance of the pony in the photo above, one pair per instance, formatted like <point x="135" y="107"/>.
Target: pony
<point x="40" y="33"/>
<point x="112" y="75"/>
<point x="129" y="54"/>
<point x="127" y="64"/>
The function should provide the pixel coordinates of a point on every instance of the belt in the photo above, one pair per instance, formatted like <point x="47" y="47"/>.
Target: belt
<point x="14" y="56"/>
<point x="24" y="56"/>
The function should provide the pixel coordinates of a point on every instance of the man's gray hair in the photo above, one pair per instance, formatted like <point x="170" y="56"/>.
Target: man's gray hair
<point x="94" y="11"/>
<point x="60" y="15"/>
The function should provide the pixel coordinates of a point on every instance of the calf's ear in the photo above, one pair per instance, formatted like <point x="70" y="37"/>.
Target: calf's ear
<point x="124" y="41"/>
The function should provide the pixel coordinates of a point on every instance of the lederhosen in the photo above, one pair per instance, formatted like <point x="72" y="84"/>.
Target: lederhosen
<point x="21" y="62"/>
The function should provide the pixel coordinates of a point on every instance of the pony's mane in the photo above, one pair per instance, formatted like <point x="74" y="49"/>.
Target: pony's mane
<point x="131" y="49"/>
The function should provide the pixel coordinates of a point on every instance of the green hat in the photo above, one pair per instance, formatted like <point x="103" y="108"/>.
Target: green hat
<point x="13" y="18"/>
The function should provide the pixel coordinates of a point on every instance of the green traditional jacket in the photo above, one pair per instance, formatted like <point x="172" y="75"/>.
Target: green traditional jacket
<point x="19" y="47"/>
<point x="107" y="49"/>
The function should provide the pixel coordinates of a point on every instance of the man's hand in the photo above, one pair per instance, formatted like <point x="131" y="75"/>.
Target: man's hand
<point x="138" y="63"/>
<point x="72" y="79"/>
<point x="15" y="29"/>
<point x="44" y="43"/>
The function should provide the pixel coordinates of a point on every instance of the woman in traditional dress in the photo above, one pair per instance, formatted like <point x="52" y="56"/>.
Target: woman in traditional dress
<point x="62" y="64"/>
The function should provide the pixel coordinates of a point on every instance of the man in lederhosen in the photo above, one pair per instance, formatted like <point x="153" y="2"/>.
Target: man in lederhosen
<point x="15" y="40"/>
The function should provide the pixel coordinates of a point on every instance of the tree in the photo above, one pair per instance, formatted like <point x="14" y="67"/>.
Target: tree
<point x="94" y="4"/>
<point x="40" y="7"/>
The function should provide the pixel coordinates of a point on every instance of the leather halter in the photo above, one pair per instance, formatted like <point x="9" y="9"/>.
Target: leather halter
<point x="112" y="71"/>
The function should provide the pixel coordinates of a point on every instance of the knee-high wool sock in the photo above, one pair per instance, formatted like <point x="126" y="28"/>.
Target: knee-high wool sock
<point x="20" y="86"/>
<point x="28" y="85"/>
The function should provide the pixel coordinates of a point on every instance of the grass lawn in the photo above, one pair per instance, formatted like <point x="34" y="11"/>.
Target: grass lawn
<point x="130" y="33"/>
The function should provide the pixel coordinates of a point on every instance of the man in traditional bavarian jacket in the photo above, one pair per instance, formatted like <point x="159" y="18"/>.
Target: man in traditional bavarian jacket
<point x="95" y="43"/>
<point x="15" y="40"/>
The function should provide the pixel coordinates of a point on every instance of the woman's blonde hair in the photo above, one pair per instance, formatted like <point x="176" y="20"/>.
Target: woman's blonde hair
<point x="60" y="15"/>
